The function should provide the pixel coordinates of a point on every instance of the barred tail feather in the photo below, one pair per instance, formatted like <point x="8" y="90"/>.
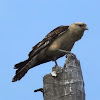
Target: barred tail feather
<point x="20" y="73"/>
<point x="21" y="64"/>
<point x="22" y="69"/>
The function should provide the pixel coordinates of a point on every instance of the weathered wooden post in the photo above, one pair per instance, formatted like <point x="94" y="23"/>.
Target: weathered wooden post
<point x="67" y="85"/>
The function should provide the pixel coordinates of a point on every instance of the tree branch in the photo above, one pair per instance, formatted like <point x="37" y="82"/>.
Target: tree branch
<point x="68" y="84"/>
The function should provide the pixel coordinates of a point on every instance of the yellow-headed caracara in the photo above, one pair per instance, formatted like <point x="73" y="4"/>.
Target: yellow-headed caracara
<point x="51" y="47"/>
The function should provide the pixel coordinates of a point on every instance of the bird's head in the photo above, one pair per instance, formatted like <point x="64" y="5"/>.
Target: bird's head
<point x="78" y="27"/>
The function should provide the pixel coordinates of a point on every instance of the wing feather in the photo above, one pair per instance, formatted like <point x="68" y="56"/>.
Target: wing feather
<point x="49" y="38"/>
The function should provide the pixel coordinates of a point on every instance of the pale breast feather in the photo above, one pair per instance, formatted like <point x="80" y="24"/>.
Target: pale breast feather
<point x="49" y="38"/>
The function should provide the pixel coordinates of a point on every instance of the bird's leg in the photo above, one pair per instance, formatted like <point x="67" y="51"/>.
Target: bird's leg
<point x="55" y="63"/>
<point x="54" y="69"/>
<point x="67" y="52"/>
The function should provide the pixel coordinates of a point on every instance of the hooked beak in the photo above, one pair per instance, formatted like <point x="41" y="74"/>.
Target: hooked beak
<point x="86" y="28"/>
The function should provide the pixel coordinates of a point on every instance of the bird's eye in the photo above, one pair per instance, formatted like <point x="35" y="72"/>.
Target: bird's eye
<point x="80" y="25"/>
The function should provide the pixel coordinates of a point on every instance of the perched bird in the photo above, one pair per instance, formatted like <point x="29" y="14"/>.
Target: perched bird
<point x="52" y="47"/>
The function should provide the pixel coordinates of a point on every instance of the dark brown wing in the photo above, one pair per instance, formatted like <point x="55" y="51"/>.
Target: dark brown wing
<point x="49" y="38"/>
<point x="24" y="66"/>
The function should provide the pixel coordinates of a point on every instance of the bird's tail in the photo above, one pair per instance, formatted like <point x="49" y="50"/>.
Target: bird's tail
<point x="20" y="65"/>
<point x="22" y="69"/>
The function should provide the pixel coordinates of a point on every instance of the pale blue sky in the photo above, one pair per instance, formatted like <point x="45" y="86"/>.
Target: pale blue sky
<point x="23" y="23"/>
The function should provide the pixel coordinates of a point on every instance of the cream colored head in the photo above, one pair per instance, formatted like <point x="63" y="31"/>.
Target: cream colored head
<point x="78" y="27"/>
<point x="77" y="30"/>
